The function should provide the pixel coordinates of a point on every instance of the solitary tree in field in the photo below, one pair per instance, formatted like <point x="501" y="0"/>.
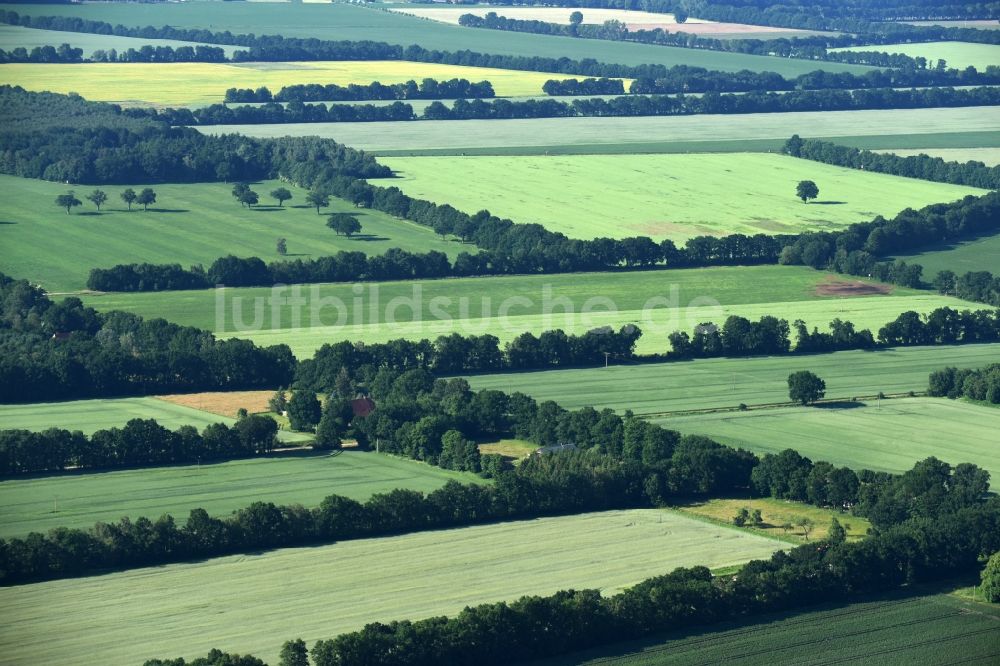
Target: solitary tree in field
<point x="806" y="189"/>
<point x="68" y="201"/>
<point x="805" y="387"/>
<point x="239" y="191"/>
<point x="98" y="197"/>
<point x="282" y="247"/>
<point x="146" y="197"/>
<point x="680" y="17"/>
<point x="281" y="195"/>
<point x="129" y="197"/>
<point x="342" y="223"/>
<point x="318" y="199"/>
<point x="807" y="525"/>
<point x="576" y="18"/>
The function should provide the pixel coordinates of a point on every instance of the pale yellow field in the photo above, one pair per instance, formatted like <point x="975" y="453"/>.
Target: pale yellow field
<point x="988" y="156"/>
<point x="549" y="14"/>
<point x="194" y="84"/>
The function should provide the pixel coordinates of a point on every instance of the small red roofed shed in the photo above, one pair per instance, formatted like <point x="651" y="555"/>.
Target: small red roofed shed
<point x="362" y="407"/>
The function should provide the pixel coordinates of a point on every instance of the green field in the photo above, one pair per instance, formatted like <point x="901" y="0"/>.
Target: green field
<point x="659" y="302"/>
<point x="189" y="224"/>
<point x="90" y="415"/>
<point x="253" y="603"/>
<point x="199" y="83"/>
<point x="342" y="21"/>
<point x="893" y="630"/>
<point x="890" y="436"/>
<point x="13" y="36"/>
<point x="958" y="55"/>
<point x="658" y="388"/>
<point x="980" y="254"/>
<point x="774" y="513"/>
<point x="664" y="196"/>
<point x="988" y="156"/>
<point x="220" y="488"/>
<point x="652" y="133"/>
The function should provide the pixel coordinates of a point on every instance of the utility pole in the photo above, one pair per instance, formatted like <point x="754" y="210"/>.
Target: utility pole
<point x="606" y="355"/>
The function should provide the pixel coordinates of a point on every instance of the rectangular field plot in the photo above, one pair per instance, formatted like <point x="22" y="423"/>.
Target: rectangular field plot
<point x="80" y="500"/>
<point x="189" y="224"/>
<point x="977" y="254"/>
<point x="196" y="84"/>
<point x="641" y="134"/>
<point x="253" y="603"/>
<point x="888" y="437"/>
<point x="958" y="55"/>
<point x="988" y="156"/>
<point x="655" y="389"/>
<point x="926" y="630"/>
<point x="14" y="36"/>
<point x="663" y="196"/>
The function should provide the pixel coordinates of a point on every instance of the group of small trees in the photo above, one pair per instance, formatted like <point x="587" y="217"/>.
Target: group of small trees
<point x="144" y="198"/>
<point x="247" y="197"/>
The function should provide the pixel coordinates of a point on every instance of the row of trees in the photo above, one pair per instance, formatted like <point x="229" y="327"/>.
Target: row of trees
<point x="141" y="442"/>
<point x="428" y="88"/>
<point x="981" y="286"/>
<point x="44" y="54"/>
<point x="99" y="197"/>
<point x="603" y="86"/>
<point x="149" y="53"/>
<point x="976" y="384"/>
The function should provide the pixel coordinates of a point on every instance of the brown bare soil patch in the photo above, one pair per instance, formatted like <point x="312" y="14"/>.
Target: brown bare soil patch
<point x="832" y="286"/>
<point x="223" y="403"/>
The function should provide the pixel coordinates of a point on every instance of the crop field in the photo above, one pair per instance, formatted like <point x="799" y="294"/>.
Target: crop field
<point x="926" y="630"/>
<point x="979" y="254"/>
<point x="650" y="133"/>
<point x="988" y="156"/>
<point x="656" y="389"/>
<point x="659" y="302"/>
<point x="890" y="436"/>
<point x="253" y="603"/>
<point x="189" y="224"/>
<point x="200" y="83"/>
<point x="338" y="21"/>
<point x="775" y="513"/>
<point x="958" y="55"/>
<point x="664" y="196"/>
<point x="80" y="500"/>
<point x="13" y="36"/>
<point x="90" y="415"/>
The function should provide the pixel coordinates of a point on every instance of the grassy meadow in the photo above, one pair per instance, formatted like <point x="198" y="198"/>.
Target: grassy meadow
<point x="888" y="437"/>
<point x="99" y="414"/>
<point x="659" y="302"/>
<point x="722" y="383"/>
<point x="664" y="196"/>
<point x="776" y="512"/>
<point x="925" y="630"/>
<point x="253" y="603"/>
<point x="648" y="133"/>
<point x="189" y="224"/>
<point x="337" y="21"/>
<point x="958" y="55"/>
<point x="201" y="83"/>
<point x="988" y="156"/>
<point x="80" y="500"/>
<point x="14" y="36"/>
<point x="977" y="254"/>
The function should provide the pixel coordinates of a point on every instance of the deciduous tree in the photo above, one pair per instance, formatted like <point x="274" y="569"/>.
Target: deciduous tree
<point x="98" y="197"/>
<point x="805" y="387"/>
<point x="146" y="196"/>
<point x="806" y="189"/>
<point x="281" y="195"/>
<point x="129" y="196"/>
<point x="68" y="201"/>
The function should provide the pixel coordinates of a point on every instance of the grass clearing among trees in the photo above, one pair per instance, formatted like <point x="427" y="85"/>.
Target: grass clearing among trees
<point x="253" y="603"/>
<point x="664" y="196"/>
<point x="978" y="254"/>
<point x="958" y="55"/>
<point x="775" y="513"/>
<point x="80" y="500"/>
<point x="189" y="224"/>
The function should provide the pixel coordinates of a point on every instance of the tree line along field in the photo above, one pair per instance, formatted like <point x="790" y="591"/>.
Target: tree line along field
<point x="924" y="630"/>
<point x="977" y="254"/>
<point x="889" y="437"/>
<point x="659" y="302"/>
<point x="80" y="500"/>
<point x="13" y="36"/>
<point x="345" y="22"/>
<point x="657" y="388"/>
<point x="253" y="603"/>
<point x="192" y="223"/>
<point x="200" y="83"/>
<point x="664" y="196"/>
<point x="990" y="156"/>
<point x="958" y="55"/>
<point x="644" y="134"/>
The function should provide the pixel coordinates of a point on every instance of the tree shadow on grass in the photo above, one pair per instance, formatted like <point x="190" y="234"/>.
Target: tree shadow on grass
<point x="7" y="222"/>
<point x="828" y="203"/>
<point x="163" y="210"/>
<point x="267" y="209"/>
<point x="840" y="404"/>
<point x="367" y="237"/>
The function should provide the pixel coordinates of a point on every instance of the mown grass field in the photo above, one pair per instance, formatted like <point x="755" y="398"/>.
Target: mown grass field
<point x="988" y="156"/>
<point x="926" y="630"/>
<point x="775" y="513"/>
<point x="189" y="224"/>
<point x="888" y="437"/>
<point x="80" y="500"/>
<point x="90" y="415"/>
<point x="659" y="302"/>
<point x="196" y="84"/>
<point x="646" y="134"/>
<point x="253" y="603"/>
<point x="13" y="36"/>
<point x="979" y="254"/>
<point x="658" y="388"/>
<point x="664" y="196"/>
<point x="342" y="21"/>
<point x="958" y="55"/>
